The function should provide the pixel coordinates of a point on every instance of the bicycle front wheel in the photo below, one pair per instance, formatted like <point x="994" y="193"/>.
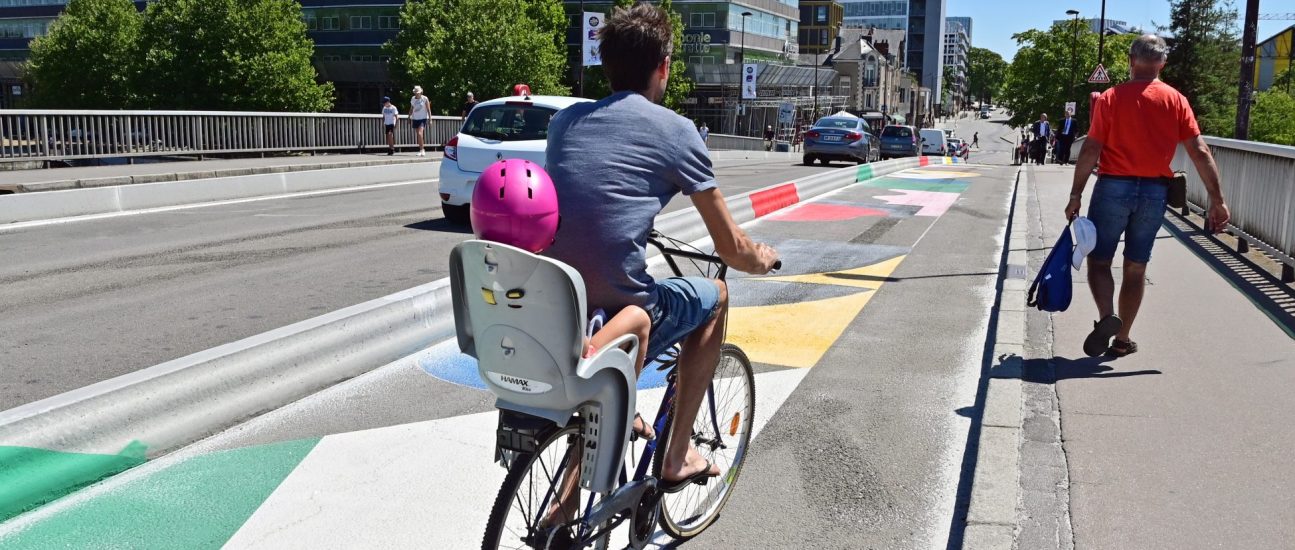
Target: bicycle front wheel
<point x="541" y="493"/>
<point x="721" y="433"/>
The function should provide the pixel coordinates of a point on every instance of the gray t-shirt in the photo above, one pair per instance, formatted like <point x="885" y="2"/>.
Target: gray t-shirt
<point x="616" y="163"/>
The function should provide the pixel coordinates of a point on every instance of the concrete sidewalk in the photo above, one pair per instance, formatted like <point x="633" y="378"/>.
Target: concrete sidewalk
<point x="1185" y="444"/>
<point x="53" y="179"/>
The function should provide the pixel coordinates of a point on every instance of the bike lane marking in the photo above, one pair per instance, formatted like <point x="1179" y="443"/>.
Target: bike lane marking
<point x="156" y="509"/>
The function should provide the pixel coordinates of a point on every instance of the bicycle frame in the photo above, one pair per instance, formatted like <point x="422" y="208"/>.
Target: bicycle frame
<point x="611" y="507"/>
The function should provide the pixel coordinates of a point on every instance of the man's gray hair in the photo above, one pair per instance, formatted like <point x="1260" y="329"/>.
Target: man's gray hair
<point x="1149" y="48"/>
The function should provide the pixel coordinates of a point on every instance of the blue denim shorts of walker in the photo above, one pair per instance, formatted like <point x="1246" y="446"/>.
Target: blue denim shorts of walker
<point x="683" y="304"/>
<point x="1132" y="207"/>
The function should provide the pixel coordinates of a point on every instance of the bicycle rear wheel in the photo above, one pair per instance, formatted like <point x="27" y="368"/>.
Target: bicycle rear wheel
<point x="528" y="503"/>
<point x="721" y="433"/>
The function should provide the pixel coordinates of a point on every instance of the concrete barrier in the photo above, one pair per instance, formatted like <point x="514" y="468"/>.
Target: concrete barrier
<point x="24" y="207"/>
<point x="52" y="447"/>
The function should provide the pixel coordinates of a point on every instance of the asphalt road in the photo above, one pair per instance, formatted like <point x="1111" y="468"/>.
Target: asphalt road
<point x="89" y="300"/>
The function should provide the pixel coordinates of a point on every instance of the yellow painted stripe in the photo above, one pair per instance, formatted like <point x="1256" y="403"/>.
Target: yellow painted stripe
<point x="798" y="334"/>
<point x="869" y="276"/>
<point x="793" y="335"/>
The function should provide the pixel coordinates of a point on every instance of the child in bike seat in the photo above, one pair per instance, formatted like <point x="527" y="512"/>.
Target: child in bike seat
<point x="515" y="203"/>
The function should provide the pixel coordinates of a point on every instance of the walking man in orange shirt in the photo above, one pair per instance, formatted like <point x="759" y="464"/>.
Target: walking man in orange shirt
<point x="1136" y="127"/>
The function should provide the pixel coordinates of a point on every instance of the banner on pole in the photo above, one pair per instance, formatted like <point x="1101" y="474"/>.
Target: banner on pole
<point x="593" y="21"/>
<point x="786" y="113"/>
<point x="1070" y="108"/>
<point x="748" y="80"/>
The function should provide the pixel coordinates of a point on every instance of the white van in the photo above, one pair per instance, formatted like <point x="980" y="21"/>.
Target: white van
<point x="933" y="142"/>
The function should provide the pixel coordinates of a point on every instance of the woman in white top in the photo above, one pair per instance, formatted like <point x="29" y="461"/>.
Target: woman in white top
<point x="420" y="110"/>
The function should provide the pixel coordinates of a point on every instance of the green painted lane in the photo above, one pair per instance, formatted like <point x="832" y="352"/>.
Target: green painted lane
<point x="196" y="503"/>
<point x="31" y="477"/>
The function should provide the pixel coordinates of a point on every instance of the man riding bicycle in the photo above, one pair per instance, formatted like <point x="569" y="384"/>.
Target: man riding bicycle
<point x="616" y="163"/>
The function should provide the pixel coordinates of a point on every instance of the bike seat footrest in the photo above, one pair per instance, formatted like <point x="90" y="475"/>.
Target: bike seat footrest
<point x="520" y="432"/>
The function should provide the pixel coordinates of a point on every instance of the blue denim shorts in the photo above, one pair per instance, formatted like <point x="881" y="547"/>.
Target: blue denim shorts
<point x="1132" y="207"/>
<point x="683" y="304"/>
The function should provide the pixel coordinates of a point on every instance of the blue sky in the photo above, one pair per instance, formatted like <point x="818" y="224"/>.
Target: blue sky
<point x="994" y="21"/>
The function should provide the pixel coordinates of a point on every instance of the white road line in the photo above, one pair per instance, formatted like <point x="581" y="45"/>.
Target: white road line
<point x="91" y="217"/>
<point x="423" y="485"/>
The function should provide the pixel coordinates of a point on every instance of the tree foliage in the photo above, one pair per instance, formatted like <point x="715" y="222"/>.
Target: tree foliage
<point x="1203" y="61"/>
<point x="986" y="71"/>
<point x="1040" y="80"/>
<point x="1272" y="119"/>
<point x="452" y="47"/>
<point x="88" y="59"/>
<point x="245" y="55"/>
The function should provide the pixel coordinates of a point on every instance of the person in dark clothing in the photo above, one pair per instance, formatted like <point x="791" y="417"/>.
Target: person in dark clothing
<point x="1066" y="131"/>
<point x="468" y="105"/>
<point x="768" y="138"/>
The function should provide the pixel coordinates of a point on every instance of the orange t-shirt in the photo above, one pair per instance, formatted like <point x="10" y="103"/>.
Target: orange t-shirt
<point x="1139" y="124"/>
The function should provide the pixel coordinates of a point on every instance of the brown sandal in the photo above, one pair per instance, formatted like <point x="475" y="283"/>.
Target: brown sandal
<point x="1120" y="348"/>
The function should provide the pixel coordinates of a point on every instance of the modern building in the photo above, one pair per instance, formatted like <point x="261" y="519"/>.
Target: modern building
<point x="921" y="20"/>
<point x="348" y="36"/>
<point x="957" y="47"/>
<point x="1272" y="56"/>
<point x="819" y="22"/>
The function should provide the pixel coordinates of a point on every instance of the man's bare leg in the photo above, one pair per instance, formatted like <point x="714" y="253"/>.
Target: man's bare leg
<point x="697" y="361"/>
<point x="1102" y="284"/>
<point x="1131" y="290"/>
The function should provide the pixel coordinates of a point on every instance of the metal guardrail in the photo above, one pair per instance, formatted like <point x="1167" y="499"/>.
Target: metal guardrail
<point x="1258" y="181"/>
<point x="725" y="142"/>
<point x="44" y="135"/>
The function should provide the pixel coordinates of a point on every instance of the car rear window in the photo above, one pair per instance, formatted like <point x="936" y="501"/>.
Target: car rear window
<point x="896" y="131"/>
<point x="837" y="123"/>
<point x="509" y="122"/>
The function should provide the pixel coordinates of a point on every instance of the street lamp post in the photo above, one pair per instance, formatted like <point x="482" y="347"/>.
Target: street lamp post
<point x="1101" y="36"/>
<point x="741" y="70"/>
<point x="1074" y="45"/>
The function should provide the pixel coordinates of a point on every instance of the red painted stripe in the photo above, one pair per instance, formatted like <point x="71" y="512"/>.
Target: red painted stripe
<point x="923" y="161"/>
<point x="775" y="198"/>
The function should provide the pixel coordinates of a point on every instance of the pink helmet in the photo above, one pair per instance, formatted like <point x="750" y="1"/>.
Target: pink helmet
<point x="515" y="203"/>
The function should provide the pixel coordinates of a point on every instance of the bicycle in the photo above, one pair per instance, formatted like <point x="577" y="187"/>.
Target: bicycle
<point x="540" y="506"/>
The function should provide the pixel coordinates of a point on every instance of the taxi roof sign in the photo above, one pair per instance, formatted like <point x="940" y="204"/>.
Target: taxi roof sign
<point x="1099" y="76"/>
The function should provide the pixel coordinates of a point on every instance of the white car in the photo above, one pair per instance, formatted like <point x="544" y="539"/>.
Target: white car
<point x="934" y="142"/>
<point x="503" y="128"/>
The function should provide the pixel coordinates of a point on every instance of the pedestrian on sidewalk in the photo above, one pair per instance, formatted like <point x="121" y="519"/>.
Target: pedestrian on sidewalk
<point x="390" y="115"/>
<point x="704" y="132"/>
<point x="1135" y="128"/>
<point x="1066" y="130"/>
<point x="468" y="105"/>
<point x="768" y="138"/>
<point x="975" y="140"/>
<point x="420" y="111"/>
<point x="1040" y="131"/>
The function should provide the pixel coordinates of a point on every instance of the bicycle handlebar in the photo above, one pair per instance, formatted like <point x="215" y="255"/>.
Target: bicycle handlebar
<point x="671" y="253"/>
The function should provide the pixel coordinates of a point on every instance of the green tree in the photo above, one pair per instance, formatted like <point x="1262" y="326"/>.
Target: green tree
<point x="245" y="55"/>
<point x="1203" y="61"/>
<point x="680" y="86"/>
<point x="986" y="71"/>
<point x="1039" y="78"/>
<point x="1272" y="119"/>
<point x="87" y="61"/>
<point x="451" y="47"/>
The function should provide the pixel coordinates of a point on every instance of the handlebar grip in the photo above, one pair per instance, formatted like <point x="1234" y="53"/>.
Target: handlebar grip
<point x="777" y="265"/>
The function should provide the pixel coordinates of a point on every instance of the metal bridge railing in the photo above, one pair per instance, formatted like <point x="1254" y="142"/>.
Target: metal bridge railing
<point x="1258" y="181"/>
<point x="42" y="135"/>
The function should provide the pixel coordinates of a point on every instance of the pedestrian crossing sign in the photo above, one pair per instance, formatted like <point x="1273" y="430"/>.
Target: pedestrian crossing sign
<point x="1099" y="76"/>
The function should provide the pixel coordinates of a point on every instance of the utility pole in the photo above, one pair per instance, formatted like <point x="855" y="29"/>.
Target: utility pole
<point x="1247" y="69"/>
<point x="741" y="71"/>
<point x="1074" y="48"/>
<point x="1101" y="36"/>
<point x="813" y="88"/>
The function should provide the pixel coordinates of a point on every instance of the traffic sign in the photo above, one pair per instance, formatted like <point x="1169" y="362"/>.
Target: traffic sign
<point x="1099" y="76"/>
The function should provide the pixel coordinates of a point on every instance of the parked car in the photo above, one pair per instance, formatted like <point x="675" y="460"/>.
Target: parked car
<point x="899" y="141"/>
<point x="503" y="128"/>
<point x="841" y="136"/>
<point x="984" y="113"/>
<point x="934" y="142"/>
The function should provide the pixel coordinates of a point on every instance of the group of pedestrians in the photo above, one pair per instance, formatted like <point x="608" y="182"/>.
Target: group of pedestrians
<point x="1039" y="136"/>
<point x="420" y="113"/>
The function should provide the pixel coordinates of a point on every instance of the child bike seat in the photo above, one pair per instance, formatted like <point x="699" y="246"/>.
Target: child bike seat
<point x="522" y="316"/>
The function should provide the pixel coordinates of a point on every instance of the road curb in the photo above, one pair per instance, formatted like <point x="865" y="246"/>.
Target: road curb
<point x="992" y="522"/>
<point x="67" y="441"/>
